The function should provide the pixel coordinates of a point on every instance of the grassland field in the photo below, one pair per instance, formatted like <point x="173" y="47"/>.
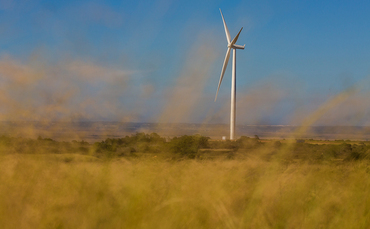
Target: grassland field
<point x="145" y="181"/>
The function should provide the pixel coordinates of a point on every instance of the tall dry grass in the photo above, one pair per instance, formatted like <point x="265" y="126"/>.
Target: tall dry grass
<point x="76" y="191"/>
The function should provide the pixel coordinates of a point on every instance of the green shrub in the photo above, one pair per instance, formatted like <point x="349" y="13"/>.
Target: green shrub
<point x="247" y="143"/>
<point x="188" y="145"/>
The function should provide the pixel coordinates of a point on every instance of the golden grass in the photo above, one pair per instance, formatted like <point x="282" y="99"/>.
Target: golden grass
<point x="75" y="191"/>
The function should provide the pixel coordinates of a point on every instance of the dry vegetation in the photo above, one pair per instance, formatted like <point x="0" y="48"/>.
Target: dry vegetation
<point x="143" y="181"/>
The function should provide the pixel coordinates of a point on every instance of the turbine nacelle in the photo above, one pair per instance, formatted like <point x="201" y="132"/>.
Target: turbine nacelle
<point x="236" y="46"/>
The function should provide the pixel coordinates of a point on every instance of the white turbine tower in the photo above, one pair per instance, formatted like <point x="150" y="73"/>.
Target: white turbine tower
<point x="231" y="45"/>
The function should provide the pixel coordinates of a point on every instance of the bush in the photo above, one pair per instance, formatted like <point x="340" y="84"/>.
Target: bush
<point x="247" y="143"/>
<point x="188" y="145"/>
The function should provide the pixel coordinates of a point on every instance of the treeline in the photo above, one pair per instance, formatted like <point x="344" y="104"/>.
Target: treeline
<point x="194" y="147"/>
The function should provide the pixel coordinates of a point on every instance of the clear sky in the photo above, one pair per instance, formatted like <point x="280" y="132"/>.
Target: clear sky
<point x="160" y="61"/>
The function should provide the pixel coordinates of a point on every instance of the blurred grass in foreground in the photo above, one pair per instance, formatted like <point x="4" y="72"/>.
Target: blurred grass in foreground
<point x="258" y="186"/>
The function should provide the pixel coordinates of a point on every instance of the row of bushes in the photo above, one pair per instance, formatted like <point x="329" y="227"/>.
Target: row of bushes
<point x="138" y="143"/>
<point x="343" y="151"/>
<point x="186" y="146"/>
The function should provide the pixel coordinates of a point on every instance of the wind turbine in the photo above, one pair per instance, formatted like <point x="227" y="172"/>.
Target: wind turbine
<point x="231" y="45"/>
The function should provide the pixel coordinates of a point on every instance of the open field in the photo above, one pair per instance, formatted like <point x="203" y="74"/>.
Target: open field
<point x="49" y="192"/>
<point x="49" y="184"/>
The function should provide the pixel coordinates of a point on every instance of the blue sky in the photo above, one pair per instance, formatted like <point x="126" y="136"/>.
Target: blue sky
<point x="160" y="61"/>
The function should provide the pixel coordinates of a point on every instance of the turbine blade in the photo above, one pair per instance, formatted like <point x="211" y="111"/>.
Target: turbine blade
<point x="226" y="29"/>
<point x="223" y="70"/>
<point x="236" y="37"/>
